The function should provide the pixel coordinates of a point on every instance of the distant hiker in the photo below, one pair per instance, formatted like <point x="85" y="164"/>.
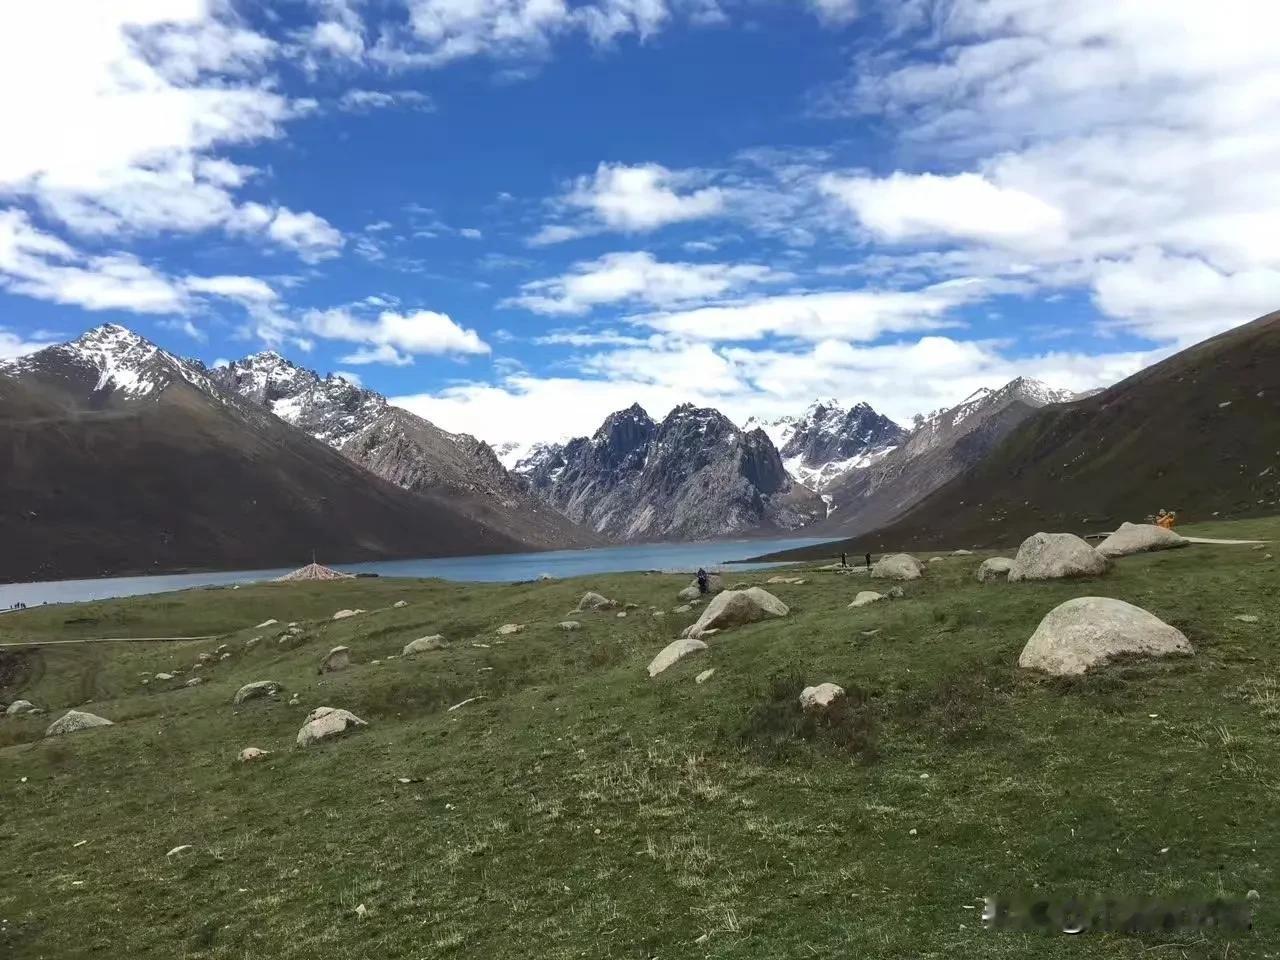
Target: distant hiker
<point x="868" y="561"/>
<point x="844" y="560"/>
<point x="703" y="583"/>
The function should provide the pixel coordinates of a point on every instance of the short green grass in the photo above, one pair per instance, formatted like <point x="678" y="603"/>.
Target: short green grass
<point x="583" y="810"/>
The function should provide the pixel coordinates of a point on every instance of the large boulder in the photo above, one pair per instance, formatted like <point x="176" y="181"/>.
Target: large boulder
<point x="75" y="720"/>
<point x="821" y="696"/>
<point x="1088" y="631"/>
<point x="422" y="645"/>
<point x="1052" y="556"/>
<point x="596" y="601"/>
<point x="736" y="607"/>
<point x="325" y="723"/>
<point x="1140" y="538"/>
<point x="672" y="652"/>
<point x="714" y="585"/>
<point x="339" y="658"/>
<point x="996" y="568"/>
<point x="898" y="566"/>
<point x="865" y="598"/>
<point x="257" y="690"/>
<point x="20" y="706"/>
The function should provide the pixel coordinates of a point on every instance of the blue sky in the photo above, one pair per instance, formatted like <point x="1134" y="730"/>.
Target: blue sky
<point x="518" y="215"/>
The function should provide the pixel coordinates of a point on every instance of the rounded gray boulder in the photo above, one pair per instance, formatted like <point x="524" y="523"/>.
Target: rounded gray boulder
<point x="1088" y="631"/>
<point x="737" y="607"/>
<point x="1053" y="556"/>
<point x="1140" y="538"/>
<point x="898" y="566"/>
<point x="75" y="720"/>
<point x="996" y="568"/>
<point x="257" y="690"/>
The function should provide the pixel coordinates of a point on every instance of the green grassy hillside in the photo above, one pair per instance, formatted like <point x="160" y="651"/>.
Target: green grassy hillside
<point x="583" y="810"/>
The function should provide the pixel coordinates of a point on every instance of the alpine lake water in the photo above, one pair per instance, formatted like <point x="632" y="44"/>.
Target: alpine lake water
<point x="493" y="568"/>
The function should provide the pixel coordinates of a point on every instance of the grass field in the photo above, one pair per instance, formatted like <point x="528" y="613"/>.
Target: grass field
<point x="583" y="810"/>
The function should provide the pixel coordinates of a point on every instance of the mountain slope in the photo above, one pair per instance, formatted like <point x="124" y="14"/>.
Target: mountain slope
<point x="117" y="457"/>
<point x="828" y="441"/>
<point x="400" y="447"/>
<point x="1198" y="433"/>
<point x="694" y="476"/>
<point x="940" y="448"/>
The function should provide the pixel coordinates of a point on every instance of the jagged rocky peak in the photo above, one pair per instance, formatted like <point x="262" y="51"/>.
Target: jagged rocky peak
<point x="113" y="359"/>
<point x="623" y="437"/>
<point x="827" y="433"/>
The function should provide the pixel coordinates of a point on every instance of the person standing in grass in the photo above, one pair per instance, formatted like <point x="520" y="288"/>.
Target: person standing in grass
<point x="844" y="560"/>
<point x="868" y="561"/>
<point x="703" y="583"/>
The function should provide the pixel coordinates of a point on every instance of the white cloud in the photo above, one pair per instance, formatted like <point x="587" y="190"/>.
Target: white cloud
<point x="967" y="206"/>
<point x="471" y="233"/>
<point x="395" y="338"/>
<point x="861" y="315"/>
<point x="1150" y="128"/>
<point x="360" y="101"/>
<point x="898" y="379"/>
<point x="638" y="278"/>
<point x="14" y="344"/>
<point x="249" y="289"/>
<point x="837" y="12"/>
<point x="633" y="199"/>
<point x="310" y="236"/>
<point x="336" y="40"/>
<point x="352" y="378"/>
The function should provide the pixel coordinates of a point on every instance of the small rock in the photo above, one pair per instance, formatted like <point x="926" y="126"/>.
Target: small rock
<point x="865" y="598"/>
<point x="224" y="656"/>
<point x="194" y="682"/>
<point x="459" y="706"/>
<point x="179" y="850"/>
<point x="821" y="696"/>
<point x="1246" y="618"/>
<point x="256" y="690"/>
<point x="339" y="658"/>
<point x="894" y="593"/>
<point x="75" y="720"/>
<point x="250" y="754"/>
<point x="631" y="606"/>
<point x="912" y="832"/>
<point x="344" y="614"/>
<point x="400" y="603"/>
<point x="622" y="614"/>
<point x="423" y="645"/>
<point x="704" y="676"/>
<point x="569" y="626"/>
<point x="659" y="614"/>
<point x="20" y="706"/>
<point x="163" y="677"/>
<point x="595" y="601"/>
<point x="325" y="723"/>
<point x="996" y="568"/>
<point x="362" y="911"/>
<point x="673" y="652"/>
<point x="251" y="643"/>
<point x="266" y="623"/>
<point x="509" y="628"/>
<point x="683" y="608"/>
<point x="1253" y="895"/>
<point x="962" y="553"/>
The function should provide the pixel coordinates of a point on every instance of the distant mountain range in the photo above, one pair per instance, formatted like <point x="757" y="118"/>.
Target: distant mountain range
<point x="696" y="475"/>
<point x="118" y="457"/>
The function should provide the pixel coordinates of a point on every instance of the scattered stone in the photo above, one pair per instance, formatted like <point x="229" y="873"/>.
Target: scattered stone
<point x="1139" y="538"/>
<point x="683" y="608"/>
<point x="400" y="603"/>
<point x="1088" y="631"/>
<point x="1051" y="556"/>
<point x="257" y="690"/>
<point x="870" y="633"/>
<point x="569" y="626"/>
<point x="221" y="648"/>
<point x="162" y="677"/>
<point x="250" y="644"/>
<point x="792" y="580"/>
<point x="75" y="720"/>
<point x="621" y="614"/>
<point x="19" y="707"/>
<point x="205" y="658"/>
<point x="424" y="644"/>
<point x="631" y="606"/>
<point x="224" y="656"/>
<point x="821" y="696"/>
<point x="714" y="585"/>
<point x="962" y="553"/>
<point x="250" y="754"/>
<point x="704" y="676"/>
<point x="894" y="593"/>
<point x="459" y="706"/>
<point x="344" y="614"/>
<point x="194" y="682"/>
<point x="996" y="568"/>
<point x="865" y="598"/>
<point x="736" y="607"/>
<point x="339" y="658"/>
<point x="266" y="623"/>
<point x="362" y="911"/>
<point x="325" y="723"/>
<point x="1246" y="618"/>
<point x="898" y="566"/>
<point x="294" y="701"/>
<point x="509" y="628"/>
<point x="935" y="559"/>
<point x="596" y="601"/>
<point x="176" y="851"/>
<point x="672" y="652"/>
<point x="659" y="614"/>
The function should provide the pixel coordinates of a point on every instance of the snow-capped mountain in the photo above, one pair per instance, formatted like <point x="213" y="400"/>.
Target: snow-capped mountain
<point x="397" y="445"/>
<point x="693" y="476"/>
<point x="111" y="360"/>
<point x="940" y="447"/>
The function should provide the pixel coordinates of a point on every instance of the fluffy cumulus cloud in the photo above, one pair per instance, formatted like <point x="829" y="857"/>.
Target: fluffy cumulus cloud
<point x="394" y="338"/>
<point x="637" y="278"/>
<point x="632" y="199"/>
<point x="1129" y="147"/>
<point x="359" y="100"/>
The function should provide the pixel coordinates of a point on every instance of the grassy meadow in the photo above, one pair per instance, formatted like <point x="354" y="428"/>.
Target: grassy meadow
<point x="581" y="809"/>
